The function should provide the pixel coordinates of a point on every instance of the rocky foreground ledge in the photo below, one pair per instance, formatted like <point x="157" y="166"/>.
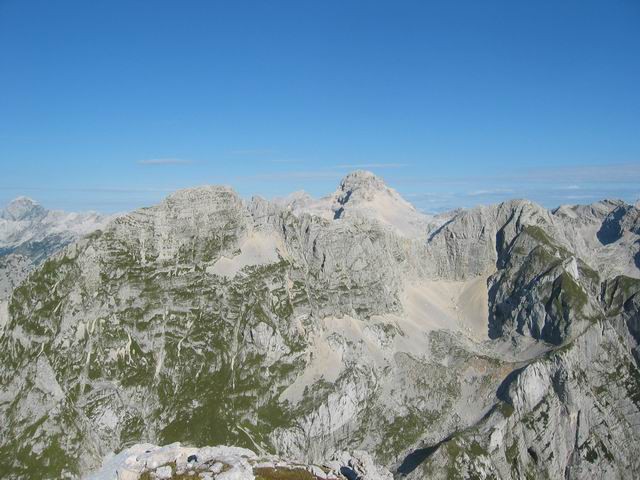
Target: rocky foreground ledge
<point x="150" y="462"/>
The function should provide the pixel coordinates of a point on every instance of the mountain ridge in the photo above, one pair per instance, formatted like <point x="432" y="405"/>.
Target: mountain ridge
<point x="209" y="320"/>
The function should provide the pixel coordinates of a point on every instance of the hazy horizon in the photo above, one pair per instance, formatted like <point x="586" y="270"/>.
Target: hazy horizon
<point x="473" y="198"/>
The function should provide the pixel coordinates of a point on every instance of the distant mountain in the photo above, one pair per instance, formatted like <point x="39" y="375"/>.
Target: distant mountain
<point x="496" y="342"/>
<point x="362" y="194"/>
<point x="29" y="234"/>
<point x="23" y="209"/>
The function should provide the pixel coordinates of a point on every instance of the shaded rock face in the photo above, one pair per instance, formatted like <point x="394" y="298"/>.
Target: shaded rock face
<point x="209" y="320"/>
<point x="542" y="290"/>
<point x="624" y="218"/>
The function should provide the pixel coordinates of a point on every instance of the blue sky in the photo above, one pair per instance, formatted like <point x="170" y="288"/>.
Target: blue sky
<point x="112" y="105"/>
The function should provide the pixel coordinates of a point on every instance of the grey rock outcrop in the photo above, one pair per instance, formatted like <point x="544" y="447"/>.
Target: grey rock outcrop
<point x="231" y="463"/>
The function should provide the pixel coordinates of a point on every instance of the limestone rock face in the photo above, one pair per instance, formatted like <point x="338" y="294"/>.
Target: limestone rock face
<point x="195" y="225"/>
<point x="14" y="268"/>
<point x="500" y="341"/>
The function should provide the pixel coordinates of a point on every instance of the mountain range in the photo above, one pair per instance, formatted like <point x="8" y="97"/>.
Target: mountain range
<point x="494" y="342"/>
<point x="29" y="234"/>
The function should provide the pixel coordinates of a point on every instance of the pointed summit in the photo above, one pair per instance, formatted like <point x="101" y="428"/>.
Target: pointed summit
<point x="23" y="208"/>
<point x="365" y="195"/>
<point x="365" y="183"/>
<point x="362" y="186"/>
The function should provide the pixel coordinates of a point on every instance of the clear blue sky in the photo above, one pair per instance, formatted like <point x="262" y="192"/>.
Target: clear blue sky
<point x="109" y="105"/>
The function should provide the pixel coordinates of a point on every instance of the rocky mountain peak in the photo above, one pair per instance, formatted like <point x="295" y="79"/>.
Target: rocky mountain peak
<point x="365" y="195"/>
<point x="361" y="193"/>
<point x="361" y="183"/>
<point x="203" y="193"/>
<point x="207" y="205"/>
<point x="204" y="201"/>
<point x="23" y="208"/>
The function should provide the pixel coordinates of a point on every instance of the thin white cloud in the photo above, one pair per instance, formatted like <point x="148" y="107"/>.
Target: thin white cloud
<point x="287" y="161"/>
<point x="621" y="173"/>
<point x="494" y="191"/>
<point x="89" y="189"/>
<point x="165" y="161"/>
<point x="373" y="165"/>
<point x="335" y="172"/>
<point x="427" y="195"/>
<point x="252" y="151"/>
<point x="613" y="173"/>
<point x="579" y="197"/>
<point x="310" y="175"/>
